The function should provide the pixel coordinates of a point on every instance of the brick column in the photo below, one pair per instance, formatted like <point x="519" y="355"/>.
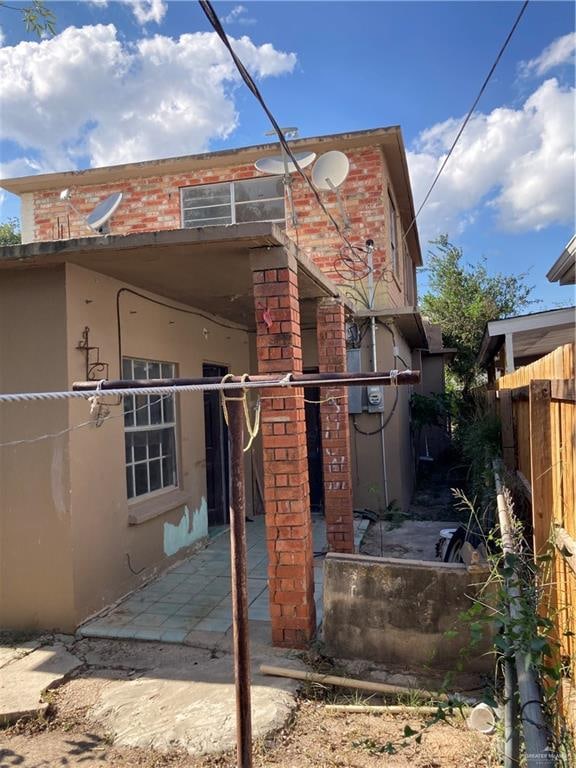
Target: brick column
<point x="331" y="332"/>
<point x="286" y="488"/>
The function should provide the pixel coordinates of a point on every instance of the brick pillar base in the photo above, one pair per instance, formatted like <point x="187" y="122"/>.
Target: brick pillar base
<point x="338" y="506"/>
<point x="286" y="488"/>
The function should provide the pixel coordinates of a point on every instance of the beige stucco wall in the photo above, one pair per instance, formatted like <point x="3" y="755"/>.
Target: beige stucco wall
<point x="367" y="462"/>
<point x="65" y="535"/>
<point x="102" y="536"/>
<point x="36" y="587"/>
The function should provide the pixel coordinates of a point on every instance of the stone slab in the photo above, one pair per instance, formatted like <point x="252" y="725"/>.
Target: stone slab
<point x="23" y="682"/>
<point x="190" y="708"/>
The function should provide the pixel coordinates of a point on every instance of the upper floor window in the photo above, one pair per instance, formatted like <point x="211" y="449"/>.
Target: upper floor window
<point x="150" y="431"/>
<point x="233" y="202"/>
<point x="393" y="236"/>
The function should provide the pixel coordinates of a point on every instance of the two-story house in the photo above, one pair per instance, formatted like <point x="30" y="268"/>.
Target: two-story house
<point x="205" y="271"/>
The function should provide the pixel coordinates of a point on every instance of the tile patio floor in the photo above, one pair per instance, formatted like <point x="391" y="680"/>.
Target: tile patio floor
<point x="195" y="596"/>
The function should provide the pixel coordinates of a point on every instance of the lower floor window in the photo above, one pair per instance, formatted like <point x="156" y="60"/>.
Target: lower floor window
<point x="150" y="431"/>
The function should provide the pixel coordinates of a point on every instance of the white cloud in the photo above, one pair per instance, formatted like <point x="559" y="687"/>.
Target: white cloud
<point x="517" y="163"/>
<point x="238" y="15"/>
<point x="560" y="51"/>
<point x="87" y="93"/>
<point x="146" y="11"/>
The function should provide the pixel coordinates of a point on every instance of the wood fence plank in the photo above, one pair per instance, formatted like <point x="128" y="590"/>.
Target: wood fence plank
<point x="541" y="479"/>
<point x="564" y="389"/>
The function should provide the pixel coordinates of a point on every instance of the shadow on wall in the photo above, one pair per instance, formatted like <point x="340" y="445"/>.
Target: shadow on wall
<point x="402" y="612"/>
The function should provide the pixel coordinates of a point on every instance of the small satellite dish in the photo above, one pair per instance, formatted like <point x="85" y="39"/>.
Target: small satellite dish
<point x="277" y="164"/>
<point x="103" y="211"/>
<point x="330" y="171"/>
<point x="97" y="220"/>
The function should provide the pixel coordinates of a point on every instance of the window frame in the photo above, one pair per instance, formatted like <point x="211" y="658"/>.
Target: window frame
<point x="233" y="203"/>
<point x="132" y="429"/>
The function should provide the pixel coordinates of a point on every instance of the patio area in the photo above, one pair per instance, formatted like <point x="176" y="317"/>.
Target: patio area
<point x="195" y="596"/>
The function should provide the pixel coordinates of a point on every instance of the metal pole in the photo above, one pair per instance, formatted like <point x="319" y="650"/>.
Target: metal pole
<point x="533" y="724"/>
<point x="511" y="725"/>
<point x="241" y="642"/>
<point x="372" y="299"/>
<point x="296" y="380"/>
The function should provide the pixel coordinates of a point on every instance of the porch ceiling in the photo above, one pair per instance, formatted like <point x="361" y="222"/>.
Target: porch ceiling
<point x="204" y="268"/>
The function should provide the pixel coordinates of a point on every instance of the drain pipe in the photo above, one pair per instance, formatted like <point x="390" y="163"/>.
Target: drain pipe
<point x="533" y="724"/>
<point x="372" y="299"/>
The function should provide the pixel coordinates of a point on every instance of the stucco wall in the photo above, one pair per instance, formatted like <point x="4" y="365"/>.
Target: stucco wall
<point x="102" y="536"/>
<point x="65" y="536"/>
<point x="36" y="587"/>
<point x="367" y="461"/>
<point x="398" y="612"/>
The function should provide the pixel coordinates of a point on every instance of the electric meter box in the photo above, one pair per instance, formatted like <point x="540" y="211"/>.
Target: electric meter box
<point x="375" y="399"/>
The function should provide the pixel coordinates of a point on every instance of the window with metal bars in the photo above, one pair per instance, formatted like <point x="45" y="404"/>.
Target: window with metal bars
<point x="150" y="431"/>
<point x="233" y="202"/>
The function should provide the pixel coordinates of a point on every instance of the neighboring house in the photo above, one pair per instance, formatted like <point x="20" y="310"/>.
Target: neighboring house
<point x="203" y="273"/>
<point x="515" y="341"/>
<point x="563" y="271"/>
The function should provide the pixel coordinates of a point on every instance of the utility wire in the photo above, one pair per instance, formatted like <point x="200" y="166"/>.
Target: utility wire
<point x="249" y="80"/>
<point x="468" y="116"/>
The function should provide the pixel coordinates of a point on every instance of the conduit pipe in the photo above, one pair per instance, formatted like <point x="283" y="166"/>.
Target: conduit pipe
<point x="534" y="726"/>
<point x="371" y="298"/>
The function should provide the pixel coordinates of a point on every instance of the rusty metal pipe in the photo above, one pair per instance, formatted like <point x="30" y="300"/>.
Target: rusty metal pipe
<point x="383" y="378"/>
<point x="241" y="641"/>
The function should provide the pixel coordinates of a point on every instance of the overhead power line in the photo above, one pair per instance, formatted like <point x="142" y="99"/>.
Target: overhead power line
<point x="249" y="80"/>
<point x="469" y="115"/>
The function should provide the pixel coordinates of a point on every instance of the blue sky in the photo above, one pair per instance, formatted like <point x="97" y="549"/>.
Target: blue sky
<point x="507" y="193"/>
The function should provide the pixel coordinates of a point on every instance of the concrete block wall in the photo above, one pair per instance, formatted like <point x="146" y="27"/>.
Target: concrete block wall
<point x="398" y="612"/>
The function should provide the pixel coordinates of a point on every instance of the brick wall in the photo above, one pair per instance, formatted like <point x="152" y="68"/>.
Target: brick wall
<point x="153" y="203"/>
<point x="286" y="488"/>
<point x="337" y="473"/>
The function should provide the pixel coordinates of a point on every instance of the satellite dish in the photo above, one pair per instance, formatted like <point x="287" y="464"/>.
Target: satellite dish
<point x="103" y="211"/>
<point x="97" y="220"/>
<point x="278" y="164"/>
<point x="331" y="171"/>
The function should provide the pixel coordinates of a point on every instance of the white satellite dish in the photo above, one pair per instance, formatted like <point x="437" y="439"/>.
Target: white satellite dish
<point x="97" y="220"/>
<point x="331" y="171"/>
<point x="103" y="211"/>
<point x="278" y="164"/>
<point x="328" y="175"/>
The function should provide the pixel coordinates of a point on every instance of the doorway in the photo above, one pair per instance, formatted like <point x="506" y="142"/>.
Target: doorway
<point x="216" y="442"/>
<point x="314" y="445"/>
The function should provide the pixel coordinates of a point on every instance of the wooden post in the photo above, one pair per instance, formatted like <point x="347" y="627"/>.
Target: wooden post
<point x="507" y="422"/>
<point x="541" y="478"/>
<point x="239" y="583"/>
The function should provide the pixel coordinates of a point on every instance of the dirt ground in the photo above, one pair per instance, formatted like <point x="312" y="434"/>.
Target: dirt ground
<point x="315" y="739"/>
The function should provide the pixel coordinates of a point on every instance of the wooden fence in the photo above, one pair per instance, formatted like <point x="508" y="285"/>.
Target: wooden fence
<point x="537" y="407"/>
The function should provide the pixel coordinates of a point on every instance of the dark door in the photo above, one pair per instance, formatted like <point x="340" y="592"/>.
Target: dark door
<point x="216" y="440"/>
<point x="314" y="444"/>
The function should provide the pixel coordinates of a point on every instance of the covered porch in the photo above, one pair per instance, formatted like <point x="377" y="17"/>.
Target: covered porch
<point x="192" y="602"/>
<point x="238" y="296"/>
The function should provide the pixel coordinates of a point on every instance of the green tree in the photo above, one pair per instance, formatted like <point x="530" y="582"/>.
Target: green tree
<point x="462" y="298"/>
<point x="36" y="16"/>
<point x="10" y="233"/>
